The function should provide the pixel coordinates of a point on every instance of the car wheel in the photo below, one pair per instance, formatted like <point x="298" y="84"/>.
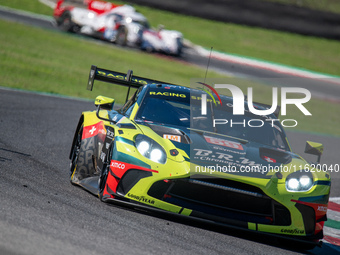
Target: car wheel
<point x="82" y="158"/>
<point x="104" y="174"/>
<point x="121" y="38"/>
<point x="66" y="23"/>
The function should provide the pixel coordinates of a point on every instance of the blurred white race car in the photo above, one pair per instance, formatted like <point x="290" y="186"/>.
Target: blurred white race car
<point x="116" y="23"/>
<point x="120" y="24"/>
<point x="162" y="40"/>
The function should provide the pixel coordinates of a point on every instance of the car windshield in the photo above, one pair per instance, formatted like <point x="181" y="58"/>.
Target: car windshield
<point x="165" y="111"/>
<point x="178" y="111"/>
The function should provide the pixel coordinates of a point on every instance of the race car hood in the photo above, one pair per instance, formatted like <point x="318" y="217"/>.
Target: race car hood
<point x="214" y="152"/>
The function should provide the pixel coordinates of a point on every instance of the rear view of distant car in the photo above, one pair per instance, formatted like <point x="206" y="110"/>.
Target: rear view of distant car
<point x="162" y="40"/>
<point x="120" y="24"/>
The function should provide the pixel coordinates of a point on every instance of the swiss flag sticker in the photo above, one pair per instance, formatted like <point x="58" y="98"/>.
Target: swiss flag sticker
<point x="93" y="130"/>
<point x="268" y="159"/>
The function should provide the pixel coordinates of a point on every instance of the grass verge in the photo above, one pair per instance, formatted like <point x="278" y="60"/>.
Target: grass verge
<point x="54" y="62"/>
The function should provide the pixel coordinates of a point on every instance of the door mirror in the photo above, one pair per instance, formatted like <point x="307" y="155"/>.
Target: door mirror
<point x="105" y="103"/>
<point x="314" y="149"/>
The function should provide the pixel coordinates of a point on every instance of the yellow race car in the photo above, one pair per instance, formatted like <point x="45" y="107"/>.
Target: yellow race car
<point x="158" y="152"/>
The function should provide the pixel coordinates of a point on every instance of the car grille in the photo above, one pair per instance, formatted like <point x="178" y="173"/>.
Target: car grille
<point x="222" y="199"/>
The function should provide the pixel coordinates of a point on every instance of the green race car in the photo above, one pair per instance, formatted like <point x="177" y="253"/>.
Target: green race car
<point x="158" y="152"/>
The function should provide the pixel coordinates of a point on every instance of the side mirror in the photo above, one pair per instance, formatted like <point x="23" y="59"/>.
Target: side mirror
<point x="104" y="103"/>
<point x="314" y="149"/>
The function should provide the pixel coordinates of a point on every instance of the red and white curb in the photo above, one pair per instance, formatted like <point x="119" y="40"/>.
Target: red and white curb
<point x="279" y="68"/>
<point x="332" y="225"/>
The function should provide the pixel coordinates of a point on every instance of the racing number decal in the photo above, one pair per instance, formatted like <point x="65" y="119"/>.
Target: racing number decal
<point x="225" y="143"/>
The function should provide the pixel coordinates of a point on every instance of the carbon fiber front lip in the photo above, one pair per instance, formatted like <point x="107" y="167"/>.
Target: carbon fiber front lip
<point x="136" y="205"/>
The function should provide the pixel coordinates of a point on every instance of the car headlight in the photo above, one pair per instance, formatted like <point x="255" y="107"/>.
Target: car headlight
<point x="299" y="181"/>
<point x="150" y="149"/>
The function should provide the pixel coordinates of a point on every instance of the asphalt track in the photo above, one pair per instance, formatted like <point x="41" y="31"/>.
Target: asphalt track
<point x="42" y="213"/>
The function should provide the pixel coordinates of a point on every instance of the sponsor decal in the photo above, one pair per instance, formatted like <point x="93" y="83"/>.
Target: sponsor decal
<point x="292" y="231"/>
<point x="225" y="143"/>
<point x="110" y="134"/>
<point x="141" y="198"/>
<point x="120" y="77"/>
<point x="167" y="94"/>
<point x="268" y="159"/>
<point x="322" y="208"/>
<point x="114" y="119"/>
<point x="175" y="138"/>
<point x="218" y="157"/>
<point x="116" y="164"/>
<point x="102" y="156"/>
<point x="220" y="148"/>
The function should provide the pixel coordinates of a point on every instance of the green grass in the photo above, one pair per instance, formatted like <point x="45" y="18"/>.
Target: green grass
<point x="55" y="62"/>
<point x="315" y="54"/>
<point x="28" y="5"/>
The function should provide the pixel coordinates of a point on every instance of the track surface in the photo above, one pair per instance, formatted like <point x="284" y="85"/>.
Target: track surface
<point x="42" y="213"/>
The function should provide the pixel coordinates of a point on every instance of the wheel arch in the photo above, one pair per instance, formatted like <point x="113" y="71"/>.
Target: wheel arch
<point x="80" y="122"/>
<point x="86" y="118"/>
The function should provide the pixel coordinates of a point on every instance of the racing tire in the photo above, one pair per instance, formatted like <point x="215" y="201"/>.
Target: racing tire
<point x="149" y="49"/>
<point x="145" y="46"/>
<point x="179" y="48"/>
<point x="121" y="38"/>
<point x="65" y="23"/>
<point x="82" y="158"/>
<point x="104" y="174"/>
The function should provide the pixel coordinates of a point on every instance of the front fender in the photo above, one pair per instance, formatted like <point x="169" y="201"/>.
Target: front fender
<point x="87" y="120"/>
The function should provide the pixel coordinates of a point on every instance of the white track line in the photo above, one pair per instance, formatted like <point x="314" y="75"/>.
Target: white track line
<point x="49" y="3"/>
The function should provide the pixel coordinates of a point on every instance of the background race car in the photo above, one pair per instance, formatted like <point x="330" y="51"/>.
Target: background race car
<point x="159" y="152"/>
<point x="121" y="24"/>
<point x="162" y="40"/>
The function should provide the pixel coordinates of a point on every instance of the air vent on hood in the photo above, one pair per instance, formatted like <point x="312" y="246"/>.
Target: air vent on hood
<point x="275" y="156"/>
